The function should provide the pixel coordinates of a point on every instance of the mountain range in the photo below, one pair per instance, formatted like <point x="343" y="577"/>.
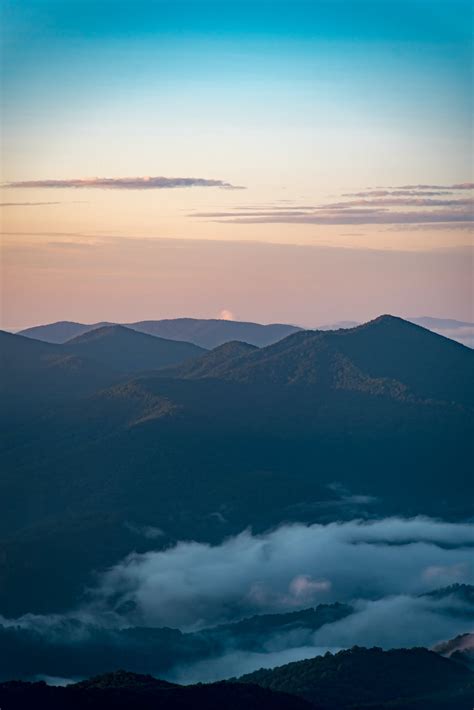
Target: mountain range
<point x="69" y="646"/>
<point x="90" y="444"/>
<point x="204" y="333"/>
<point x="356" y="679"/>
<point x="209" y="333"/>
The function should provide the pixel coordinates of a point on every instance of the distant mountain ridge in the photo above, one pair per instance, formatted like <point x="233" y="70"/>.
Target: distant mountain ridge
<point x="210" y="333"/>
<point x="206" y="333"/>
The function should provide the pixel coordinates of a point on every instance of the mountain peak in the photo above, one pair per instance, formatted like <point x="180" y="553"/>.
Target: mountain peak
<point x="103" y="331"/>
<point x="128" y="350"/>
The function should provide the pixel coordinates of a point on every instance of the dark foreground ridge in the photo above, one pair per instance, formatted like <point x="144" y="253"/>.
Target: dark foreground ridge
<point x="357" y="679"/>
<point x="143" y="692"/>
<point x="371" y="678"/>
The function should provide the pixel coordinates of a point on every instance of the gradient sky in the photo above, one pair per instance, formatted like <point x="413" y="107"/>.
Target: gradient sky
<point x="345" y="124"/>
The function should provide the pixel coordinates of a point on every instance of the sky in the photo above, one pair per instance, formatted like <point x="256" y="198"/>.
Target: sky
<point x="301" y="162"/>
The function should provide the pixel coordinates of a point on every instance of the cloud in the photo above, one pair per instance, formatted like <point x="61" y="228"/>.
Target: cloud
<point x="27" y="204"/>
<point x="237" y="663"/>
<point x="405" y="206"/>
<point x="392" y="622"/>
<point x="456" y="186"/>
<point x="381" y="569"/>
<point x="391" y="201"/>
<point x="196" y="584"/>
<point x="125" y="183"/>
<point x="410" y="190"/>
<point x="397" y="193"/>
<point x="395" y="621"/>
<point x="348" y="216"/>
<point x="148" y="531"/>
<point x="464" y="335"/>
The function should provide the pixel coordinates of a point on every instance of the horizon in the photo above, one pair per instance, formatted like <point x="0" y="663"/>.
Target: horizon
<point x="231" y="318"/>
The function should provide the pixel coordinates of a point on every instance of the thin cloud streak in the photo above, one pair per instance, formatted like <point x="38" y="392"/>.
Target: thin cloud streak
<point x="347" y="216"/>
<point x="456" y="186"/>
<point x="125" y="183"/>
<point x="389" y="206"/>
<point x="397" y="193"/>
<point x="28" y="204"/>
<point x="390" y="201"/>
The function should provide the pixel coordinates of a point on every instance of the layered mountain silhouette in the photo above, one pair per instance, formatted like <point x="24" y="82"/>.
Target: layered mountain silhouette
<point x="73" y="645"/>
<point x="387" y="355"/>
<point x="210" y="333"/>
<point x="257" y="434"/>
<point x="206" y="333"/>
<point x="60" y="331"/>
<point x="357" y="679"/>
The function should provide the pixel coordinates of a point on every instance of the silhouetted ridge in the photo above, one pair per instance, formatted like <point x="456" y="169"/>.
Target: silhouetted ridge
<point x="362" y="676"/>
<point x="32" y="369"/>
<point x="130" y="351"/>
<point x="123" y="691"/>
<point x="59" y="332"/>
<point x="213" y="363"/>
<point x="122" y="679"/>
<point x="388" y="356"/>
<point x="207" y="333"/>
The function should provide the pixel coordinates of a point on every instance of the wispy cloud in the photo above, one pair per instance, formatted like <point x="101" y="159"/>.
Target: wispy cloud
<point x="27" y="204"/>
<point x="397" y="193"/>
<point x="406" y="205"/>
<point x="391" y="201"/>
<point x="456" y="186"/>
<point x="125" y="183"/>
<point x="345" y="216"/>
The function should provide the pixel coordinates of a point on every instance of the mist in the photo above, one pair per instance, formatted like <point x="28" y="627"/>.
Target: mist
<point x="384" y="573"/>
<point x="193" y="585"/>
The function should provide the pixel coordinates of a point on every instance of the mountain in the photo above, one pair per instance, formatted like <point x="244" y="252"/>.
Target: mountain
<point x="372" y="678"/>
<point x="386" y="355"/>
<point x="122" y="690"/>
<point x="32" y="369"/>
<point x="72" y="647"/>
<point x="214" y="362"/>
<point x="204" y="333"/>
<point x="59" y="332"/>
<point x="239" y="437"/>
<point x="212" y="333"/>
<point x="357" y="679"/>
<point x="127" y="350"/>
